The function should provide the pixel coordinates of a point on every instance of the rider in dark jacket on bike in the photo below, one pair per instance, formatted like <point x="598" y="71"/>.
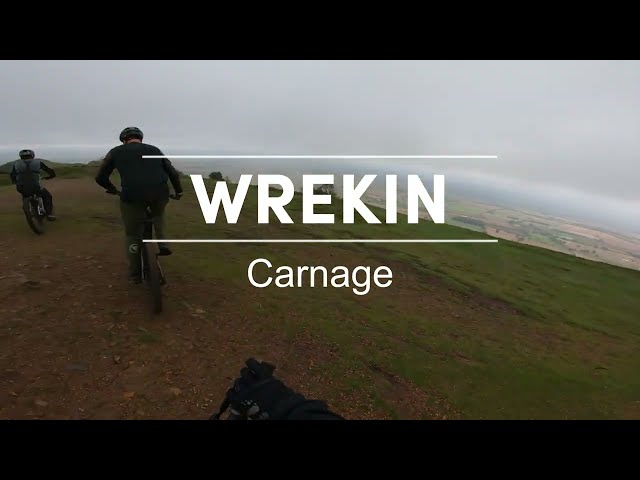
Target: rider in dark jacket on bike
<point x="143" y="183"/>
<point x="25" y="175"/>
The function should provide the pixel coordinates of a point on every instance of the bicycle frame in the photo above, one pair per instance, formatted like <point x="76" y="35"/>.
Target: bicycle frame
<point x="147" y="234"/>
<point x="39" y="205"/>
<point x="33" y="207"/>
<point x="150" y="268"/>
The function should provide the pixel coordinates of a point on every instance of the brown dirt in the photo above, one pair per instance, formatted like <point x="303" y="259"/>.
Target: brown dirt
<point x="78" y="342"/>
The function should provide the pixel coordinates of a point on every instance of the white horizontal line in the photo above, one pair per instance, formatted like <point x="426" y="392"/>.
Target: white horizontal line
<point x="318" y="240"/>
<point x="322" y="156"/>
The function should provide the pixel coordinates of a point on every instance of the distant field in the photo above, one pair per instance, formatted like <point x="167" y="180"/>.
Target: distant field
<point x="548" y="232"/>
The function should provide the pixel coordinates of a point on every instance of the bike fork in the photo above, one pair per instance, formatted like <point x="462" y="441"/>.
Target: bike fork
<point x="162" y="279"/>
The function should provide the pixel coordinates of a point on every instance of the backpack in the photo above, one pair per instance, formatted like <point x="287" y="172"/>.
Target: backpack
<point x="28" y="176"/>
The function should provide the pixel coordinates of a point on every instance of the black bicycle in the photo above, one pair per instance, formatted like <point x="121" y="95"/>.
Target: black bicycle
<point x="33" y="208"/>
<point x="150" y="269"/>
<point x="34" y="211"/>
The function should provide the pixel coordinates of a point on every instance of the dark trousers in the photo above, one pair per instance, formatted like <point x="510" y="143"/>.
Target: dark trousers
<point x="133" y="216"/>
<point x="47" y="198"/>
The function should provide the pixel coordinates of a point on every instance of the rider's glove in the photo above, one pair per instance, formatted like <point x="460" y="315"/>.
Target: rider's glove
<point x="257" y="395"/>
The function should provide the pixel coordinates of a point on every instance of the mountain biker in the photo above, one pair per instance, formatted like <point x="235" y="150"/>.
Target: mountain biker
<point x="25" y="174"/>
<point x="143" y="183"/>
<point x="258" y="395"/>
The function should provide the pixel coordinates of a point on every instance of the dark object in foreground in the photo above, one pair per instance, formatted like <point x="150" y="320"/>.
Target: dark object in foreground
<point x="257" y="395"/>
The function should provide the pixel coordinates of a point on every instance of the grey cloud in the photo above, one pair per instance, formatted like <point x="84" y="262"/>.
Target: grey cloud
<point x="573" y="125"/>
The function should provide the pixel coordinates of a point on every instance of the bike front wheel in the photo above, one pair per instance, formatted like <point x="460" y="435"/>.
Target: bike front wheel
<point x="35" y="220"/>
<point x="152" y="276"/>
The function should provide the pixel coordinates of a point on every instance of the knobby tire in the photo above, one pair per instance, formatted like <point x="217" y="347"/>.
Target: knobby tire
<point x="36" y="222"/>
<point x="152" y="277"/>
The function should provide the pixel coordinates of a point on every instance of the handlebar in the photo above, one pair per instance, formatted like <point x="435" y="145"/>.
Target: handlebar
<point x="224" y="407"/>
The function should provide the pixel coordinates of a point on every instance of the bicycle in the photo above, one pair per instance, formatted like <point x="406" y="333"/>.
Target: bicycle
<point x="34" y="211"/>
<point x="150" y="269"/>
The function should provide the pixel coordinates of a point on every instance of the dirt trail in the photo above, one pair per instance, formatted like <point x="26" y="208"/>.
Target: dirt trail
<point x="77" y="342"/>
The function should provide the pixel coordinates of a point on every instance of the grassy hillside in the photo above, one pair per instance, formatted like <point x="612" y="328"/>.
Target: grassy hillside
<point x="502" y="329"/>
<point x="490" y="330"/>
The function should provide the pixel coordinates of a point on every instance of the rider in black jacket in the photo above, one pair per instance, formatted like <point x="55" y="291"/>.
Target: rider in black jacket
<point x="25" y="175"/>
<point x="143" y="183"/>
<point x="257" y="395"/>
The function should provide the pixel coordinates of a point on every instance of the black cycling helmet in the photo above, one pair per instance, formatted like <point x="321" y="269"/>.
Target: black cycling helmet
<point x="26" y="154"/>
<point x="129" y="133"/>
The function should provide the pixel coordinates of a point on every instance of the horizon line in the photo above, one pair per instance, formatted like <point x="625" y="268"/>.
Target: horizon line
<point x="317" y="240"/>
<point x="413" y="157"/>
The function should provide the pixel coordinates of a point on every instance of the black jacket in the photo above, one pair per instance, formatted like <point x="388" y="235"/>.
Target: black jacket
<point x="141" y="179"/>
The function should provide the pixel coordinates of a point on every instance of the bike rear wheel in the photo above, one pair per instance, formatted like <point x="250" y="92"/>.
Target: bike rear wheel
<point x="35" y="220"/>
<point x="152" y="276"/>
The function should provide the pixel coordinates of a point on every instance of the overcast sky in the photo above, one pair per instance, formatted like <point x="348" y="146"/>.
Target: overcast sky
<point x="574" y="125"/>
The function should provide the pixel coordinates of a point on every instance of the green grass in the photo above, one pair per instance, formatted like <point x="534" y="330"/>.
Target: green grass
<point x="568" y="319"/>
